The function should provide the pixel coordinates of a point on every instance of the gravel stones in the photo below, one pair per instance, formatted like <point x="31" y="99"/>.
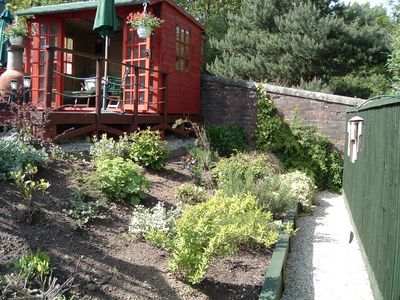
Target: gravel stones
<point x="323" y="264"/>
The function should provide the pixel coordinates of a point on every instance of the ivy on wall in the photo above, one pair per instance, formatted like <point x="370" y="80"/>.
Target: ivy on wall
<point x="297" y="145"/>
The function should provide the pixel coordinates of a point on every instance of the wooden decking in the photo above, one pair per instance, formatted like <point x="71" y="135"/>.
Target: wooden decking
<point x="69" y="124"/>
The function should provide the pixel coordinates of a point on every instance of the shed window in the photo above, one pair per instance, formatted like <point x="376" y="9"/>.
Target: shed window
<point x="68" y="57"/>
<point x="355" y="137"/>
<point x="182" y="49"/>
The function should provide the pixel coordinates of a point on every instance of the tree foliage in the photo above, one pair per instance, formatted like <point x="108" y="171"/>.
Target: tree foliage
<point x="290" y="41"/>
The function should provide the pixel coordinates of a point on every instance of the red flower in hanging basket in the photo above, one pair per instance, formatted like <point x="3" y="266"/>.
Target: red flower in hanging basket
<point x="143" y="19"/>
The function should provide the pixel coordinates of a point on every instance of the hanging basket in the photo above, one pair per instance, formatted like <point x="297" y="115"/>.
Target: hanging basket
<point x="143" y="31"/>
<point x="16" y="40"/>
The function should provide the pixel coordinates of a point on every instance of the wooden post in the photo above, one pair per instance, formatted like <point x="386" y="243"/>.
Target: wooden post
<point x="48" y="76"/>
<point x="165" y="105"/>
<point x="136" y="100"/>
<point x="99" y="63"/>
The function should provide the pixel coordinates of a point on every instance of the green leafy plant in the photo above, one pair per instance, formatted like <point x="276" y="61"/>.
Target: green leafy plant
<point x="83" y="210"/>
<point x="33" y="279"/>
<point x="157" y="218"/>
<point x="301" y="188"/>
<point x="27" y="186"/>
<point x="202" y="156"/>
<point x="134" y="20"/>
<point x="298" y="146"/>
<point x="15" y="155"/>
<point x="227" y="139"/>
<point x="121" y="179"/>
<point x="190" y="193"/>
<point x="241" y="165"/>
<point x="147" y="149"/>
<point x="108" y="148"/>
<point x="30" y="265"/>
<point x="18" y="28"/>
<point x="217" y="227"/>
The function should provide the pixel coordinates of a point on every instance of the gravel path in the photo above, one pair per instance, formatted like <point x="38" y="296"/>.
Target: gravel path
<point x="322" y="264"/>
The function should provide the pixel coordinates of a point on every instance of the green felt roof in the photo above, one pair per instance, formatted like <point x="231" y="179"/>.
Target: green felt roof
<point x="74" y="6"/>
<point x="376" y="102"/>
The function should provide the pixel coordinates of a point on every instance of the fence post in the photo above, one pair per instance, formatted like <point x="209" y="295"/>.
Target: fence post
<point x="165" y="105"/>
<point x="48" y="76"/>
<point x="99" y="63"/>
<point x="136" y="100"/>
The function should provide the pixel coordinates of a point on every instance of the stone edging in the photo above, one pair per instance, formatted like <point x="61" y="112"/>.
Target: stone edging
<point x="274" y="89"/>
<point x="275" y="276"/>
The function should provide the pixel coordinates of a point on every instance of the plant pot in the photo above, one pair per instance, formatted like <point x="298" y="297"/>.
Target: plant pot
<point x="16" y="40"/>
<point x="143" y="31"/>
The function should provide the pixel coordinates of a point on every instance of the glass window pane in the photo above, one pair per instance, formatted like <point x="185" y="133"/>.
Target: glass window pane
<point x="187" y="37"/>
<point x="182" y="36"/>
<point x="44" y="29"/>
<point x="41" y="96"/>
<point x="53" y="29"/>
<point x="42" y="42"/>
<point x="142" y="82"/>
<point x="141" y="97"/>
<point x="41" y="56"/>
<point x="136" y="53"/>
<point x="129" y="53"/>
<point x="177" y="49"/>
<point x="143" y="51"/>
<point x="178" y="33"/>
<point x="53" y="41"/>
<point x="41" y="83"/>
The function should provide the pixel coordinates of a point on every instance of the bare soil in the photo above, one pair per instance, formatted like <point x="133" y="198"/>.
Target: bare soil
<point x="104" y="261"/>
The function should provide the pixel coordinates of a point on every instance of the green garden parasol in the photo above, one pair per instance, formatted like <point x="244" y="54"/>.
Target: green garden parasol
<point x="6" y="18"/>
<point x="105" y="23"/>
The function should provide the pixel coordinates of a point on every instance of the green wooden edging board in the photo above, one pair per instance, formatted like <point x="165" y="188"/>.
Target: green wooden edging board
<point x="274" y="278"/>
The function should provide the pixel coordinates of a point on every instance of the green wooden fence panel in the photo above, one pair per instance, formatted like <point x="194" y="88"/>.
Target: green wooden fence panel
<point x="372" y="188"/>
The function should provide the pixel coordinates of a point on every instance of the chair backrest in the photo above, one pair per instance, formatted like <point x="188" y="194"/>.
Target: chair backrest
<point x="114" y="86"/>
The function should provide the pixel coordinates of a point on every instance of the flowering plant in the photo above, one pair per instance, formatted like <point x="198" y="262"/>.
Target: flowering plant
<point x="15" y="29"/>
<point x="143" y="19"/>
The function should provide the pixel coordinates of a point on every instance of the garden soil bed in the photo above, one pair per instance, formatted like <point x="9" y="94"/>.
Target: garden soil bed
<point x="104" y="261"/>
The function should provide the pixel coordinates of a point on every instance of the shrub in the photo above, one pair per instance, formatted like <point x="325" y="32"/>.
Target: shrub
<point x="30" y="265"/>
<point x="301" y="188"/>
<point x="158" y="218"/>
<point x="108" y="148"/>
<point x="33" y="279"/>
<point x="227" y="139"/>
<point x="27" y="186"/>
<point x="190" y="193"/>
<point x="87" y="200"/>
<point x="298" y="146"/>
<point x="121" y="179"/>
<point x="252" y="166"/>
<point x="147" y="149"/>
<point x="15" y="155"/>
<point x="217" y="227"/>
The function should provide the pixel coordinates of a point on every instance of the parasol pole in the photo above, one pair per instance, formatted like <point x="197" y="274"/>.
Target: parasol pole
<point x="107" y="42"/>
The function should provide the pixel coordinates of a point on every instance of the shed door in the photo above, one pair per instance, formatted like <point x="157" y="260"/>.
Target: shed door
<point x="45" y="32"/>
<point x="136" y="51"/>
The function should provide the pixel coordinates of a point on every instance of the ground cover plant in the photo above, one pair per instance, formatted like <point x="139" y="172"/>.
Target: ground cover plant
<point x="15" y="155"/>
<point x="200" y="234"/>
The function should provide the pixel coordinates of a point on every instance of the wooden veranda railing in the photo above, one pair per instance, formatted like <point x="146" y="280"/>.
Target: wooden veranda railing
<point x="49" y="93"/>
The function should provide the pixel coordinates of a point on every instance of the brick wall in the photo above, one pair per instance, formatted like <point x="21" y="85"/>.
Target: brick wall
<point x="225" y="101"/>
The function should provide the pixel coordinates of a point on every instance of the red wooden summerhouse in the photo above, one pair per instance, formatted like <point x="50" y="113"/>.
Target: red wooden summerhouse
<point x="155" y="80"/>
